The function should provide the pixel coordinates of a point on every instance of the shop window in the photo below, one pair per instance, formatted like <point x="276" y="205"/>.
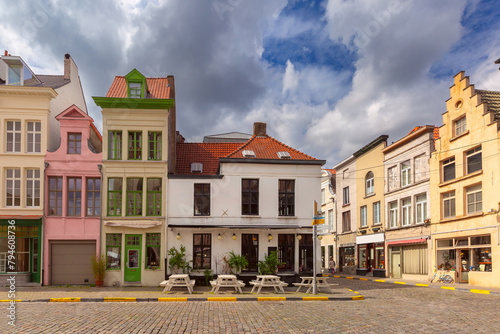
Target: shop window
<point x="93" y="196"/>
<point x="345" y="193"/>
<point x="74" y="196"/>
<point x="34" y="137"/>
<point x="376" y="213"/>
<point x="393" y="214"/>
<point x="405" y="173"/>
<point x="323" y="257"/>
<point x="153" y="242"/>
<point x="449" y="204"/>
<point x="134" y="197"/>
<point x="448" y="167"/>
<point x="474" y="160"/>
<point x="32" y="187"/>
<point x="13" y="187"/>
<point x="202" y="251"/>
<point x="202" y="199"/>
<point x="362" y="256"/>
<point x="346" y="221"/>
<point x="154" y="197"/>
<point x="115" y="188"/>
<point x="74" y="143"/>
<point x="55" y="195"/>
<point x="415" y="260"/>
<point x="114" y="145"/>
<point x="113" y="250"/>
<point x="379" y="257"/>
<point x="306" y="253"/>
<point x="420" y="208"/>
<point x="406" y="211"/>
<point x="286" y="197"/>
<point x="154" y="145"/>
<point x="474" y="199"/>
<point x="480" y="240"/>
<point x="481" y="259"/>
<point x="249" y="196"/>
<point x="134" y="145"/>
<point x="363" y="216"/>
<point x="369" y="184"/>
<point x="347" y="256"/>
<point x="13" y="136"/>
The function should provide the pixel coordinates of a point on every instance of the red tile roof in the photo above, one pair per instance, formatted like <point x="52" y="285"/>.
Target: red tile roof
<point x="206" y="153"/>
<point x="158" y="88"/>
<point x="332" y="171"/>
<point x="266" y="147"/>
<point x="436" y="133"/>
<point x="415" y="129"/>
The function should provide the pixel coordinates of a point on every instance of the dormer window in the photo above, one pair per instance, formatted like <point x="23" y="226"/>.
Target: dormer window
<point x="18" y="73"/>
<point x="248" y="154"/>
<point x="284" y="155"/>
<point x="14" y="75"/>
<point x="136" y="85"/>
<point x="134" y="90"/>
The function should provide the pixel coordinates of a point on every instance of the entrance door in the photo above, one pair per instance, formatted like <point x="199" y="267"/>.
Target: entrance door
<point x="369" y="257"/>
<point x="250" y="250"/>
<point x="464" y="265"/>
<point x="396" y="265"/>
<point x="133" y="258"/>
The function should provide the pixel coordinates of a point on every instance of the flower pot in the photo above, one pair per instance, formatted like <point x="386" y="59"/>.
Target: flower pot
<point x="99" y="283"/>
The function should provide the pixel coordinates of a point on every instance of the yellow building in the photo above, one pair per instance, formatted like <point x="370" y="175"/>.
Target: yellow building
<point x="465" y="186"/>
<point x="370" y="207"/>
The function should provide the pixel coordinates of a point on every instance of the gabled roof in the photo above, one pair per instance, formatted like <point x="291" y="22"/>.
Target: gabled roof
<point x="492" y="98"/>
<point x="206" y="153"/>
<point x="158" y="88"/>
<point x="53" y="81"/>
<point x="73" y="112"/>
<point x="235" y="137"/>
<point x="266" y="147"/>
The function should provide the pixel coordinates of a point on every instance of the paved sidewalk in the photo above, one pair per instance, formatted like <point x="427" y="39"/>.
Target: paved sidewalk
<point x="451" y="286"/>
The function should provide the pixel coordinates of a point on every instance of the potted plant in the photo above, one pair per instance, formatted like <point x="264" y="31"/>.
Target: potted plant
<point x="177" y="261"/>
<point x="270" y="264"/>
<point x="236" y="262"/>
<point x="99" y="269"/>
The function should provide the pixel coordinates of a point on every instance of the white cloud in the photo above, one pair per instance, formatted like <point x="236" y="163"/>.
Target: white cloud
<point x="291" y="78"/>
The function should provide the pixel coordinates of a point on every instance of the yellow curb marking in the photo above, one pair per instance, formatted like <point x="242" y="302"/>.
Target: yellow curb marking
<point x="65" y="300"/>
<point x="336" y="276"/>
<point x="399" y="282"/>
<point x="222" y="299"/>
<point x="172" y="299"/>
<point x="419" y="284"/>
<point x="380" y="280"/>
<point x="119" y="299"/>
<point x="9" y="300"/>
<point x="355" y="292"/>
<point x="349" y="290"/>
<point x="448" y="288"/>
<point x="350" y="277"/>
<point x="363" y="279"/>
<point x="260" y="299"/>
<point x="358" y="298"/>
<point x="314" y="298"/>
<point x="486" y="292"/>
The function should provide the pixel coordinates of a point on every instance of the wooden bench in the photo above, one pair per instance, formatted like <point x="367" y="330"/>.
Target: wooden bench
<point x="227" y="281"/>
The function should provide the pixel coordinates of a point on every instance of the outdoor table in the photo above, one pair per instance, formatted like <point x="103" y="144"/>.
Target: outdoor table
<point x="267" y="281"/>
<point x="307" y="282"/>
<point x="178" y="280"/>
<point x="228" y="281"/>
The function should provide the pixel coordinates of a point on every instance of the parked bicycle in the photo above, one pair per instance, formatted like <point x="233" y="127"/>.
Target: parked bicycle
<point x="443" y="277"/>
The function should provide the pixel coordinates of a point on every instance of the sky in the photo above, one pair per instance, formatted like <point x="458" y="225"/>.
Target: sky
<point x="326" y="76"/>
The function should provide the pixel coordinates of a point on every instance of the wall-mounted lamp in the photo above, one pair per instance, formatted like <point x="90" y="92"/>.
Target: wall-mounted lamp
<point x="320" y="237"/>
<point x="269" y="237"/>
<point x="219" y="236"/>
<point x="299" y="237"/>
<point x="178" y="236"/>
<point x="234" y="236"/>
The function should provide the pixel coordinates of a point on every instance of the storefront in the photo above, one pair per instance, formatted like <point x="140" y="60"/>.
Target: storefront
<point x="371" y="255"/>
<point x="408" y="258"/>
<point x="20" y="246"/>
<point x="347" y="259"/>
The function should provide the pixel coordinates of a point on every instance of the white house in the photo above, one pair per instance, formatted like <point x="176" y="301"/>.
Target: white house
<point x="250" y="198"/>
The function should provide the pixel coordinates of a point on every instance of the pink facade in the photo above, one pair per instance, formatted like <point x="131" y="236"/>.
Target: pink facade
<point x="73" y="201"/>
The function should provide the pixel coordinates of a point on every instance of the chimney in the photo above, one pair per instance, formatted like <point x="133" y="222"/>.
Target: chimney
<point x="67" y="66"/>
<point x="6" y="53"/>
<point x="259" y="129"/>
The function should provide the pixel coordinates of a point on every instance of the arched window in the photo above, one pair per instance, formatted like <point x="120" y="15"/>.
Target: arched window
<point x="369" y="183"/>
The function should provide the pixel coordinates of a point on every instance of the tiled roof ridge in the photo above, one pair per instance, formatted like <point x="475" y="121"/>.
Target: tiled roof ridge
<point x="242" y="146"/>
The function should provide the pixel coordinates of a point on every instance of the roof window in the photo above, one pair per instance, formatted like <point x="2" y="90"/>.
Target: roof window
<point x="248" y="154"/>
<point x="284" y="155"/>
<point x="196" y="167"/>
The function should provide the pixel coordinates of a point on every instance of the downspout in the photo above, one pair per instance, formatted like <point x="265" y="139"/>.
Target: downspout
<point x="46" y="164"/>
<point x="99" y="166"/>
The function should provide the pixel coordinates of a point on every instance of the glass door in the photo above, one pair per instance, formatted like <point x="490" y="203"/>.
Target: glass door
<point x="133" y="258"/>
<point x="250" y="250"/>
<point x="464" y="265"/>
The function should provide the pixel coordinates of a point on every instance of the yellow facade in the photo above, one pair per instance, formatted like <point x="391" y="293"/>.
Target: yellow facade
<point x="465" y="180"/>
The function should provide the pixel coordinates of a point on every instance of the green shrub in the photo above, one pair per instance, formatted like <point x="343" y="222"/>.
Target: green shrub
<point x="177" y="261"/>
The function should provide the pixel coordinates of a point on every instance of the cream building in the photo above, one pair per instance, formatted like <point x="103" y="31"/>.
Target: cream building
<point x="328" y="231"/>
<point x="465" y="178"/>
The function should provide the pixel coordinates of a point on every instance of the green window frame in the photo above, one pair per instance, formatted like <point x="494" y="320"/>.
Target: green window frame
<point x="25" y="248"/>
<point x="134" y="90"/>
<point x="154" y="145"/>
<point x="115" y="145"/>
<point x="113" y="251"/>
<point x="134" y="196"/>
<point x="153" y="248"/>
<point x="134" y="145"/>
<point x="154" y="197"/>
<point x="115" y="189"/>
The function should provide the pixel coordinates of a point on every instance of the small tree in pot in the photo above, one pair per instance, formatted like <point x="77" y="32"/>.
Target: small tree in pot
<point x="270" y="264"/>
<point x="177" y="261"/>
<point x="236" y="262"/>
<point x="99" y="269"/>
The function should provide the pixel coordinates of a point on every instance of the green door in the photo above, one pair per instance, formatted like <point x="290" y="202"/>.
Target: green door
<point x="133" y="257"/>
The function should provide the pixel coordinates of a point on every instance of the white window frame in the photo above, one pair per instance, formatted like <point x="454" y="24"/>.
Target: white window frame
<point x="345" y="196"/>
<point x="33" y="182"/>
<point x="449" y="198"/>
<point x="406" y="211"/>
<point x="330" y="218"/>
<point x="364" y="216"/>
<point x="14" y="179"/>
<point x="460" y="126"/>
<point x="405" y="173"/>
<point x="323" y="196"/>
<point x="393" y="214"/>
<point x="376" y="213"/>
<point x="420" y="208"/>
<point x="474" y="197"/>
<point x="16" y="133"/>
<point x="369" y="184"/>
<point x="35" y="144"/>
<point x="446" y="163"/>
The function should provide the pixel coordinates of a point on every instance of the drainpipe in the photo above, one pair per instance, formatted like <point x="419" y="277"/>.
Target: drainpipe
<point x="46" y="164"/>
<point x="99" y="166"/>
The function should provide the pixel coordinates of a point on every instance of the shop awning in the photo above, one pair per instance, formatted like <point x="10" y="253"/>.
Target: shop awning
<point x="133" y="224"/>
<point x="266" y="227"/>
<point x="406" y="242"/>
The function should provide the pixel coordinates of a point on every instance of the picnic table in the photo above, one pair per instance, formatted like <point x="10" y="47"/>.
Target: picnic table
<point x="268" y="281"/>
<point x="178" y="280"/>
<point x="227" y="281"/>
<point x="307" y="282"/>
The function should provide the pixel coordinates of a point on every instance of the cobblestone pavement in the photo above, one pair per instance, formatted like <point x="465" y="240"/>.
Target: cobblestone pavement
<point x="387" y="308"/>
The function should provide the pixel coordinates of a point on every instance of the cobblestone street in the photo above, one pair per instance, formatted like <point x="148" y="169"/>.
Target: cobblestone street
<point x="387" y="308"/>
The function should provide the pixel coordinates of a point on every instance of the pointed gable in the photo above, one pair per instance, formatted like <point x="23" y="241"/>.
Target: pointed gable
<point x="73" y="113"/>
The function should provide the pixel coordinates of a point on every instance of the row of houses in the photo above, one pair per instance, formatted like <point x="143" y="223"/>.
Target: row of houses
<point x="428" y="201"/>
<point x="139" y="189"/>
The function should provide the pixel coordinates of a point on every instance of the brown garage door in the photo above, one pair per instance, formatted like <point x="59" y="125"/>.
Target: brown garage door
<point x="71" y="263"/>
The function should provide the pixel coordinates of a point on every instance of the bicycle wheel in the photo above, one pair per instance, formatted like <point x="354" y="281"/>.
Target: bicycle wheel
<point x="447" y="279"/>
<point x="433" y="277"/>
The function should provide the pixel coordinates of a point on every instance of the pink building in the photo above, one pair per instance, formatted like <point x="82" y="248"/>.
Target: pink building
<point x="73" y="201"/>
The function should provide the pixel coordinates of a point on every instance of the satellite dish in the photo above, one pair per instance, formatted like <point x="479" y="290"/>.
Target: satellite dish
<point x="331" y="190"/>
